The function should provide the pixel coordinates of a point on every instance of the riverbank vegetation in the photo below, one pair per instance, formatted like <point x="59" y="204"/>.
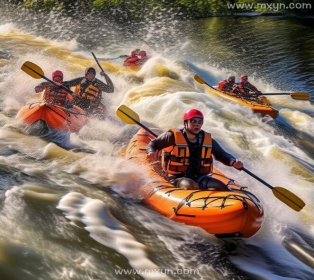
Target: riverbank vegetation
<point x="133" y="9"/>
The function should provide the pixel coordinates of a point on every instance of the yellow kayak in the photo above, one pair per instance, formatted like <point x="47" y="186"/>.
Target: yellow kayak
<point x="262" y="106"/>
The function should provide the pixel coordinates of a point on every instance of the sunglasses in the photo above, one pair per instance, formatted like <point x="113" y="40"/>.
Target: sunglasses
<point x="196" y="121"/>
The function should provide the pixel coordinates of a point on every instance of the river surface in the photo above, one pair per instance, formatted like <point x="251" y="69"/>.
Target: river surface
<point x="70" y="214"/>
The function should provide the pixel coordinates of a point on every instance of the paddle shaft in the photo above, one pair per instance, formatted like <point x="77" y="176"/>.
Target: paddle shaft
<point x="50" y="81"/>
<point x="115" y="58"/>
<point x="210" y="85"/>
<point x="276" y="93"/>
<point x="257" y="178"/>
<point x="141" y="125"/>
<point x="97" y="62"/>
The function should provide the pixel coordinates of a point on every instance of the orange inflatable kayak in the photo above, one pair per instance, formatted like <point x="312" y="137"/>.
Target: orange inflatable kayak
<point x="257" y="106"/>
<point x="232" y="213"/>
<point x="55" y="117"/>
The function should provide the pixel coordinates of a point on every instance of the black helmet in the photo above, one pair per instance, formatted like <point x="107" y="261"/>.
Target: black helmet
<point x="231" y="78"/>
<point x="90" y="70"/>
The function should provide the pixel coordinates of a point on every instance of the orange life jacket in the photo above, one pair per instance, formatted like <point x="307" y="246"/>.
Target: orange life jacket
<point x="176" y="159"/>
<point x="55" y="96"/>
<point x="89" y="92"/>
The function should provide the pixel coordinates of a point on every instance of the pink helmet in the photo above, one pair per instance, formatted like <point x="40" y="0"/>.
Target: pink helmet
<point x="193" y="113"/>
<point x="57" y="73"/>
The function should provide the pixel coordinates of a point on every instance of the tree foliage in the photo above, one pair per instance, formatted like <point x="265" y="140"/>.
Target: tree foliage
<point x="193" y="8"/>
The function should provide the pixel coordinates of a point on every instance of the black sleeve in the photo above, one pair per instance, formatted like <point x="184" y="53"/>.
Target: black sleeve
<point x="162" y="141"/>
<point x="220" y="154"/>
<point x="42" y="86"/>
<point x="108" y="87"/>
<point x="73" y="82"/>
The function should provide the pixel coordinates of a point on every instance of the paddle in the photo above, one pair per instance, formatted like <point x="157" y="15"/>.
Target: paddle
<point x="200" y="80"/>
<point x="281" y="193"/>
<point x="115" y="58"/>
<point x="36" y="72"/>
<point x="97" y="62"/>
<point x="130" y="117"/>
<point x="294" y="95"/>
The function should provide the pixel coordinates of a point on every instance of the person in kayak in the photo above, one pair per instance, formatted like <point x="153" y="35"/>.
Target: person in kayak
<point x="227" y="85"/>
<point x="187" y="154"/>
<point x="55" y="95"/>
<point x="245" y="88"/>
<point x="137" y="57"/>
<point x="88" y="91"/>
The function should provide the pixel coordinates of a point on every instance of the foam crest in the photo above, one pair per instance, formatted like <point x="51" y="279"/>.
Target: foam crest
<point x="107" y="230"/>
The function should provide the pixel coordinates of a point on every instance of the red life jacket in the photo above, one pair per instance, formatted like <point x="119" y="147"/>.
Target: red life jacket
<point x="225" y="86"/>
<point x="245" y="88"/>
<point x="142" y="54"/>
<point x="134" y="53"/>
<point x="54" y="95"/>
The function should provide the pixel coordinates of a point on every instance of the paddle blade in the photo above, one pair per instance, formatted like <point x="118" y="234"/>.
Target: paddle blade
<point x="300" y="95"/>
<point x="127" y="115"/>
<point x="33" y="70"/>
<point x="199" y="79"/>
<point x="288" y="198"/>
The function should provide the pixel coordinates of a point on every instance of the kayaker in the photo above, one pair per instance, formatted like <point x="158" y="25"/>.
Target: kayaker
<point x="187" y="154"/>
<point x="227" y="85"/>
<point x="245" y="88"/>
<point x="138" y="53"/>
<point x="52" y="94"/>
<point x="88" y="91"/>
<point x="137" y="57"/>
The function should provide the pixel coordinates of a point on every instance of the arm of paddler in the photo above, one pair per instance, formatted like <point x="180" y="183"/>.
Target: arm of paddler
<point x="164" y="140"/>
<point x="108" y="87"/>
<point x="41" y="86"/>
<point x="73" y="82"/>
<point x="221" y="155"/>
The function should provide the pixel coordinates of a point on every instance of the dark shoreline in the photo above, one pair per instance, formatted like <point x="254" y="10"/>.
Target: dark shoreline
<point x="133" y="10"/>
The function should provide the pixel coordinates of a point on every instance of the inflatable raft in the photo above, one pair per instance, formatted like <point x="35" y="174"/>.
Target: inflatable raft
<point x="55" y="117"/>
<point x="232" y="213"/>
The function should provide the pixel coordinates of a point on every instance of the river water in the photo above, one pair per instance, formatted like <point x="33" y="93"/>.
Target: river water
<point x="66" y="214"/>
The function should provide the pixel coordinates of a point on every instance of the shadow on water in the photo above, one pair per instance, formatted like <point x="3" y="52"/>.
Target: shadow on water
<point x="41" y="129"/>
<point x="301" y="139"/>
<point x="60" y="138"/>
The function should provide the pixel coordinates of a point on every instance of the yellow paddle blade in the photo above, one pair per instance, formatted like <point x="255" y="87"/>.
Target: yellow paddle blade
<point x="199" y="79"/>
<point x="127" y="115"/>
<point x="288" y="198"/>
<point x="300" y="95"/>
<point x="33" y="70"/>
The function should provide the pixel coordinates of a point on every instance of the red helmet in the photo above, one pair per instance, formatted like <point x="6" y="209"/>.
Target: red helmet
<point x="193" y="113"/>
<point x="57" y="73"/>
<point x="244" y="77"/>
